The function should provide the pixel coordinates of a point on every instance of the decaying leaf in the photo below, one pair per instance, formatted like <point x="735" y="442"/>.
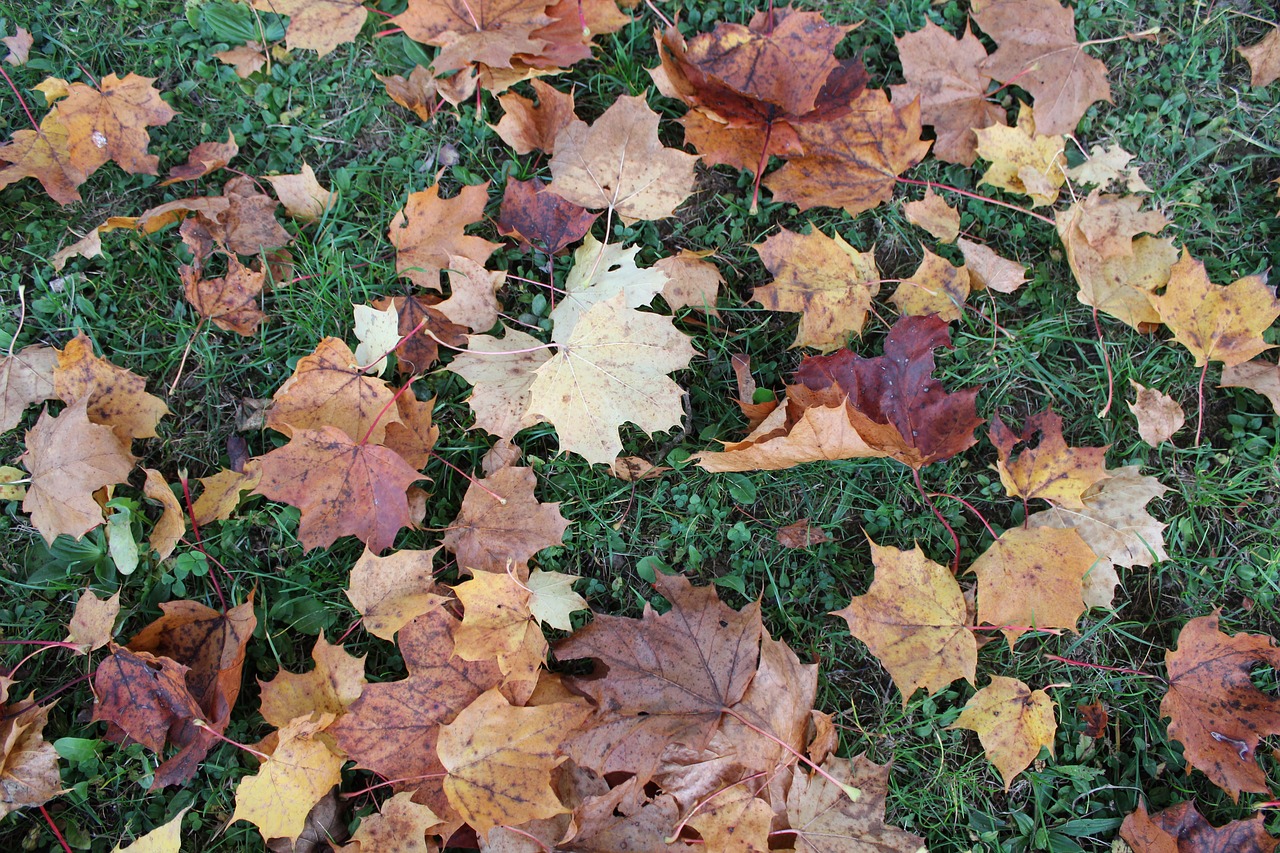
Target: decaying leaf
<point x="824" y="817"/>
<point x="204" y="158"/>
<point x="330" y="688"/>
<point x="543" y="220"/>
<point x="1182" y="829"/>
<point x="1051" y="470"/>
<point x="28" y="763"/>
<point x="801" y="534"/>
<point x="1012" y="721"/>
<point x="527" y="128"/>
<point x="302" y="195"/>
<point x="429" y="229"/>
<point x="392" y="591"/>
<point x="987" y="269"/>
<point x="93" y="621"/>
<point x="1114" y="520"/>
<point x="26" y="377"/>
<point x="319" y="25"/>
<point x="1263" y="57"/>
<point x="933" y="214"/>
<point x="692" y="281"/>
<point x="301" y="770"/>
<point x="19" y="45"/>
<point x="328" y="389"/>
<point x="1022" y="160"/>
<point x="116" y="397"/>
<point x="936" y="287"/>
<point x="231" y="301"/>
<point x="492" y="533"/>
<point x="1159" y="415"/>
<point x="487" y="31"/>
<point x="1260" y="376"/>
<point x="401" y="825"/>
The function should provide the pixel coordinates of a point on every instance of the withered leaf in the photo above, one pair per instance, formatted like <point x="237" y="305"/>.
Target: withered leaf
<point x="26" y="377"/>
<point x="319" y="25"/>
<point x="417" y="93"/>
<point x="328" y="390"/>
<point x="392" y="591"/>
<point x="428" y="229"/>
<point x="1023" y="159"/>
<point x="936" y="287"/>
<point x="1263" y="57"/>
<point x="801" y="534"/>
<point x="116" y="397"/>
<point x="93" y="621"/>
<point x="824" y="818"/>
<point x="1182" y="829"/>
<point x="1012" y="722"/>
<point x="486" y="31"/>
<point x="1114" y="520"/>
<point x="43" y="154"/>
<point x="933" y="214"/>
<point x="204" y="158"/>
<point x="692" y="281"/>
<point x="303" y="197"/>
<point x="1159" y="415"/>
<point x="231" y="301"/>
<point x="546" y="221"/>
<point x="527" y="128"/>
<point x="500" y="398"/>
<point x="329" y="688"/>
<point x="145" y="696"/>
<point x="1051" y="470"/>
<point x="294" y="778"/>
<point x="28" y="763"/>
<point x="489" y="535"/>
<point x="421" y="350"/>
<point x="1258" y="375"/>
<point x="792" y="435"/>
<point x="110" y="123"/>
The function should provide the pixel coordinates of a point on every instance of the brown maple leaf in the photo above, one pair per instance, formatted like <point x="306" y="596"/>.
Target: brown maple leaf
<point x="946" y="75"/>
<point x="697" y="660"/>
<point x="336" y="681"/>
<point x="342" y="488"/>
<point x="116" y="397"/>
<point x="29" y="773"/>
<point x="542" y="220"/>
<point x="492" y="533"/>
<point x="390" y="592"/>
<point x="43" y="154"/>
<point x="527" y="128"/>
<point x="110" y="123"/>
<point x="93" y="621"/>
<point x="1214" y="710"/>
<point x="619" y="163"/>
<point x="204" y="158"/>
<point x="249" y="224"/>
<point x="1051" y="470"/>
<point x="1259" y="376"/>
<point x="319" y="25"/>
<point x="487" y="31"/>
<point x="420" y="350"/>
<point x="19" y="45"/>
<point x="801" y="534"/>
<point x="791" y="435"/>
<point x="692" y="281"/>
<point x="418" y="93"/>
<point x="428" y="229"/>
<point x="327" y="389"/>
<point x="1182" y="829"/>
<point x="1263" y="57"/>
<point x="1037" y="50"/>
<point x="231" y="301"/>
<point x="894" y="402"/>
<point x="26" y="377"/>
<point x="303" y="197"/>
<point x="825" y="817"/>
<point x="69" y="459"/>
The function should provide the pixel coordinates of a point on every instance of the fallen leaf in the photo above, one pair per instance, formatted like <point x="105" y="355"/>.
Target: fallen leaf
<point x="319" y="25"/>
<point x="1182" y="829"/>
<point x="417" y="93"/>
<point x="1260" y="376"/>
<point x="146" y="697"/>
<point x="611" y="369"/>
<point x="541" y="220"/>
<point x="936" y="287"/>
<point x="1263" y="57"/>
<point x="327" y="389"/>
<point x="500" y="397"/>
<point x="116" y="397"/>
<point x="1013" y="723"/>
<point x="28" y="763"/>
<point x="913" y="620"/>
<point x="1214" y="710"/>
<point x="12" y="488"/>
<point x="737" y="821"/>
<point x="166" y="838"/>
<point x="473" y="294"/>
<point x="801" y="534"/>
<point x="423" y="327"/>
<point x="934" y="215"/>
<point x="26" y="377"/>
<point x="755" y="413"/>
<point x="491" y="533"/>
<point x="250" y="219"/>
<point x="526" y="128"/>
<point x="400" y="825"/>
<point x="378" y="332"/>
<point x="1106" y="166"/>
<point x="853" y="161"/>
<point x="485" y="31"/>
<point x="1159" y="415"/>
<point x="390" y="592"/>
<point x="1032" y="578"/>
<point x="793" y="435"/>
<point x="619" y="163"/>
<point x="635" y="468"/>
<point x="302" y="195"/>
<point x="93" y="621"/>
<point x="43" y="154"/>
<point x="204" y="158"/>
<point x="692" y="281"/>
<point x="247" y="58"/>
<point x="827" y="818"/>
<point x="893" y="401"/>
<point x="1095" y="718"/>
<point x="1114" y="521"/>
<point x="19" y="45"/>
<point x="1024" y="160"/>
<point x="552" y="599"/>
<point x="69" y="459"/>
<point x="1217" y="323"/>
<point x="295" y="777"/>
<point x="110" y="123"/>
<point x="330" y="688"/>
<point x="428" y="229"/>
<point x="987" y="269"/>
<point x="496" y="622"/>
<point x="231" y="302"/>
<point x="1051" y="470"/>
<point x="1037" y="51"/>
<point x="946" y="74"/>
<point x="220" y="494"/>
<point x="830" y="283"/>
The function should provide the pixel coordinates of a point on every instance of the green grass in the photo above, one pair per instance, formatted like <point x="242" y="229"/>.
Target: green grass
<point x="1208" y="146"/>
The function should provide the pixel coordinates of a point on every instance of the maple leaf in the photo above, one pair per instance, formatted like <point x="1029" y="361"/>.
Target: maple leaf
<point x="500" y="398"/>
<point x="301" y="769"/>
<point x="172" y="524"/>
<point x="801" y="534"/>
<point x="25" y="378"/>
<point x="1263" y="57"/>
<point x="341" y="488"/>
<point x="491" y="533"/>
<point x="1024" y="159"/>
<point x="1260" y="376"/>
<point x="792" y="435"/>
<point x="400" y="825"/>
<point x="1214" y="710"/>
<point x="249" y="224"/>
<point x="987" y="269"/>
<point x="330" y="688"/>
<point x="661" y="679"/>
<point x="893" y="401"/>
<point x="486" y="31"/>
<point x="473" y="295"/>
<point x="499" y="759"/>
<point x="70" y="458"/>
<point x="319" y="25"/>
<point x="825" y="279"/>
<point x="392" y="591"/>
<point x="936" y="287"/>
<point x="204" y="158"/>
<point x="327" y="389"/>
<point x="1037" y="50"/>
<point x="302" y="195"/>
<point x="43" y="154"/>
<point x="166" y="838"/>
<point x="116" y="397"/>
<point x="618" y="163"/>
<point x="1109" y="165"/>
<point x="246" y="58"/>
<point x="542" y="220"/>
<point x="418" y="93"/>
<point x="824" y="818"/>
<point x="496" y="622"/>
<point x="220" y="494"/>
<point x="913" y="620"/>
<point x="1117" y="271"/>
<point x="1182" y="829"/>
<point x="231" y="302"/>
<point x="946" y="74"/>
<point x="692" y="281"/>
<point x="527" y="128"/>
<point x="146" y="697"/>
<point x="1012" y="722"/>
<point x="378" y="331"/>
<point x="19" y="45"/>
<point x="598" y="273"/>
<point x="738" y="821"/>
<point x="933" y="214"/>
<point x="552" y="599"/>
<point x="421" y="349"/>
<point x="1159" y="415"/>
<point x="1032" y="578"/>
<point x="611" y="369"/>
<point x="415" y="435"/>
<point x="93" y="621"/>
<point x="110" y="123"/>
<point x="1051" y="470"/>
<point x="28" y="764"/>
<point x="1217" y="323"/>
<point x="428" y="229"/>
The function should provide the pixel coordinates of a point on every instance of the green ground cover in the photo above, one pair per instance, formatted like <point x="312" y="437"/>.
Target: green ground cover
<point x="1209" y="147"/>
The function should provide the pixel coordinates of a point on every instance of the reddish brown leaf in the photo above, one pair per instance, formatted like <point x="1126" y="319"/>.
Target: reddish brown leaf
<point x="231" y="301"/>
<point x="894" y="402"/>
<point x="467" y="31"/>
<point x="491" y="536"/>
<point x="801" y="534"/>
<point x="542" y="220"/>
<point x="250" y="219"/>
<point x="327" y="389"/>
<point x="527" y="128"/>
<point x="429" y="229"/>
<point x="28" y="764"/>
<point x="1095" y="719"/>
<point x="204" y="158"/>
<point x="421" y="350"/>
<point x="1182" y="829"/>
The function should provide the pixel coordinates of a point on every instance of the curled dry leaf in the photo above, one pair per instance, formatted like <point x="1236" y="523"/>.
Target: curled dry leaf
<point x="302" y="195"/>
<point x="1013" y="723"/>
<point x="19" y="45"/>
<point x="29" y="773"/>
<point x="1159" y="415"/>
<point x="418" y="93"/>
<point x="989" y="270"/>
<point x="1182" y="829"/>
<point x="801" y="534"/>
<point x="93" y="621"/>
<point x="793" y="435"/>
<point x="231" y="301"/>
<point x="172" y="524"/>
<point x="635" y="468"/>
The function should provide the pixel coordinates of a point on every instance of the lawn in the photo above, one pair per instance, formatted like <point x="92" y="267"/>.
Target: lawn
<point x="1206" y="142"/>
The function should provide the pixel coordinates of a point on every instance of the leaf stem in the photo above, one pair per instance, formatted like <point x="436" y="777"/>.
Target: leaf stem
<point x="1121" y="669"/>
<point x="22" y="318"/>
<point x="405" y="387"/>
<point x="201" y="724"/>
<point x="764" y="161"/>
<point x="403" y="338"/>
<point x="955" y="562"/>
<point x="788" y="747"/>
<point x="967" y="194"/>
<point x="57" y="833"/>
<point x="1200" y="401"/>
<point x="199" y="543"/>
<point x="973" y="509"/>
<point x="351" y="794"/>
<point x="431" y="335"/>
<point x="481" y="486"/>
<point x="21" y="100"/>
